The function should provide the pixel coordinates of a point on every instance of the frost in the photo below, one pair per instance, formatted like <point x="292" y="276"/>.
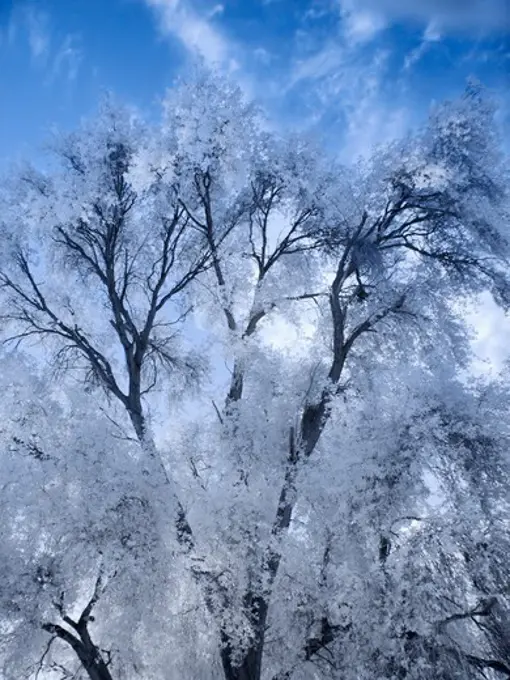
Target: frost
<point x="239" y="435"/>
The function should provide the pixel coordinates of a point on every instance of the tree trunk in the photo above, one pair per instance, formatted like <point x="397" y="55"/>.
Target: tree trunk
<point x="87" y="652"/>
<point x="249" y="667"/>
<point x="93" y="664"/>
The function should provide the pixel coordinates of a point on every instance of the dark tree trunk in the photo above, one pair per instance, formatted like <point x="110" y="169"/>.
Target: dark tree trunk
<point x="249" y="667"/>
<point x="93" y="664"/>
<point x="87" y="652"/>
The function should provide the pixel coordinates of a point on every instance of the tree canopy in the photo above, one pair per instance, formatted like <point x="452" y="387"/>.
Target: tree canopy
<point x="240" y="438"/>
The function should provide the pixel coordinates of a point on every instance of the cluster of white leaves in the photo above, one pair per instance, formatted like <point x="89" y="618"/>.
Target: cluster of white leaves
<point x="322" y="487"/>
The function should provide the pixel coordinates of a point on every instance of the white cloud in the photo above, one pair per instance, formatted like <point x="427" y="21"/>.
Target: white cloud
<point x="216" y="11"/>
<point x="38" y="32"/>
<point x="262" y="55"/>
<point x="363" y="26"/>
<point x="348" y="77"/>
<point x="370" y="125"/>
<point x="196" y="32"/>
<point x="360" y="25"/>
<point x="319" y="65"/>
<point x="432" y="32"/>
<point x="346" y="80"/>
<point x="450" y="15"/>
<point x="67" y="59"/>
<point x="371" y="119"/>
<point x="431" y="35"/>
<point x="60" y="57"/>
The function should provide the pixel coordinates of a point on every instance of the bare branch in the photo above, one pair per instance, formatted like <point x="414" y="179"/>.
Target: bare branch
<point x="482" y="609"/>
<point x="41" y="663"/>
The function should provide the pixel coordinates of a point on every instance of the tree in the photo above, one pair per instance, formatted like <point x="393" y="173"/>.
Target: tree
<point x="400" y="547"/>
<point x="66" y="525"/>
<point x="206" y="224"/>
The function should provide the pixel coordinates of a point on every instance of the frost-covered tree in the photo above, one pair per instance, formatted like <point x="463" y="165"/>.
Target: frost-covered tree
<point x="326" y="499"/>
<point x="396" y="587"/>
<point x="72" y="520"/>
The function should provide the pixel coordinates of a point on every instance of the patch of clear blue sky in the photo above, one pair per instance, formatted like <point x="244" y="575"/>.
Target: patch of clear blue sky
<point x="116" y="47"/>
<point x="296" y="56"/>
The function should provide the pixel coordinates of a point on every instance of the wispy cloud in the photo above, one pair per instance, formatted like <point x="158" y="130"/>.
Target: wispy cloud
<point x="56" y="55"/>
<point x="217" y="10"/>
<point x="431" y="36"/>
<point x="38" y="32"/>
<point x="329" y="74"/>
<point x="67" y="59"/>
<point x="196" y="32"/>
<point x="29" y="26"/>
<point x="338" y="72"/>
<point x="360" y="25"/>
<point x="262" y="55"/>
<point x="372" y="121"/>
<point x="319" y="65"/>
<point x="345" y="82"/>
<point x="451" y="15"/>
<point x="363" y="26"/>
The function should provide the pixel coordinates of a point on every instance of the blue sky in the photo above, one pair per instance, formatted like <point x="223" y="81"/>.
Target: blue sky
<point x="355" y="72"/>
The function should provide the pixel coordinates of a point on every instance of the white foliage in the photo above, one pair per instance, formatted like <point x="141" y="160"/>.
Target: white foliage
<point x="323" y="487"/>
